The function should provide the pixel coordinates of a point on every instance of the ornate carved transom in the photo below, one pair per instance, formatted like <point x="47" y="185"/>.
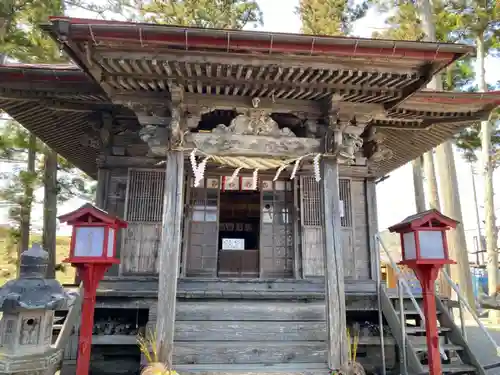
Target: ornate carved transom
<point x="254" y="122"/>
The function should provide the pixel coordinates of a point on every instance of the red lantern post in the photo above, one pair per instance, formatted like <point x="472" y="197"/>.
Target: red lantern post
<point x="425" y="251"/>
<point x="92" y="252"/>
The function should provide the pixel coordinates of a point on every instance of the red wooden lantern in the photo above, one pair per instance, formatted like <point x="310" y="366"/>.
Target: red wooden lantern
<point x="425" y="251"/>
<point x="94" y="235"/>
<point x="423" y="238"/>
<point x="92" y="252"/>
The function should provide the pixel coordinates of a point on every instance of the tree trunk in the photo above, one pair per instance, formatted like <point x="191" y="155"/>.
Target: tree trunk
<point x="486" y="159"/>
<point x="418" y="184"/>
<point x="430" y="177"/>
<point x="25" y="222"/>
<point x="50" y="210"/>
<point x="460" y="271"/>
<point x="480" y="248"/>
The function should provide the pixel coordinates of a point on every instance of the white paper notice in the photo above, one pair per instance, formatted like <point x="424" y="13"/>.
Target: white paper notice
<point x="233" y="244"/>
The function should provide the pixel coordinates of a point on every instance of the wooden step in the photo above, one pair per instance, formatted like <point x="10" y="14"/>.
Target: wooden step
<point x="284" y="368"/>
<point x="413" y="311"/>
<point x="414" y="330"/>
<point x="457" y="368"/>
<point x="423" y="346"/>
<point x="417" y="341"/>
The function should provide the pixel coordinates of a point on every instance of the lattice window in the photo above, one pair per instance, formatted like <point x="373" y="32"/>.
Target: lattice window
<point x="145" y="190"/>
<point x="203" y="201"/>
<point x="311" y="202"/>
<point x="345" y="198"/>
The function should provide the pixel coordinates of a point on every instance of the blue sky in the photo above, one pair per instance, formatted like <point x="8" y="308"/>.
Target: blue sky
<point x="395" y="195"/>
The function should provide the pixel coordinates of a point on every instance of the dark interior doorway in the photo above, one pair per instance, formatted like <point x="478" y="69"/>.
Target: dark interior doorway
<point x="239" y="234"/>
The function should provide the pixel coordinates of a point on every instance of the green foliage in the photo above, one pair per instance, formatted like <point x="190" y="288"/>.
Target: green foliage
<point x="468" y="141"/>
<point x="330" y="17"/>
<point x="8" y="256"/>
<point x="19" y="36"/>
<point x="477" y="18"/>
<point x="220" y="14"/>
<point x="459" y="76"/>
<point x="405" y="24"/>
<point x="73" y="183"/>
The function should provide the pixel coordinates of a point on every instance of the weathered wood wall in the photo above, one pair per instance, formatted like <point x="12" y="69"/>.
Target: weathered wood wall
<point x="138" y="191"/>
<point x="361" y="254"/>
<point x="354" y="236"/>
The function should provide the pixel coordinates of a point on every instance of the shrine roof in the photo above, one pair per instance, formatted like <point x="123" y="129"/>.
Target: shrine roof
<point x="60" y="104"/>
<point x="124" y="56"/>
<point x="415" y="221"/>
<point x="117" y="61"/>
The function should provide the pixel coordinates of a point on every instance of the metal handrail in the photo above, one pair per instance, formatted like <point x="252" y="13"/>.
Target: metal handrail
<point x="380" y="315"/>
<point x="402" y="318"/>
<point x="462" y="300"/>
<point x="407" y="287"/>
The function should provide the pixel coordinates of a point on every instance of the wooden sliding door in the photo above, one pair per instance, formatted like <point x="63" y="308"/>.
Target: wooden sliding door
<point x="201" y="229"/>
<point x="312" y="227"/>
<point x="276" y="238"/>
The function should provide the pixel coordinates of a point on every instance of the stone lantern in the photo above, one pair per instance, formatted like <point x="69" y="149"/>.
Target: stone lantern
<point x="28" y="305"/>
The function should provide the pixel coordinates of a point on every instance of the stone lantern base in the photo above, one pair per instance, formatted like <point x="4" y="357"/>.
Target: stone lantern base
<point x="35" y="364"/>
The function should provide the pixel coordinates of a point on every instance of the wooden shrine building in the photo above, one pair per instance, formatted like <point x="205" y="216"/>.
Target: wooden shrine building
<point x="245" y="164"/>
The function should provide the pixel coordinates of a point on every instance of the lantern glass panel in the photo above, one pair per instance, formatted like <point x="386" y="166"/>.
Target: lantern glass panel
<point x="111" y="242"/>
<point x="431" y="244"/>
<point x="409" y="246"/>
<point x="89" y="242"/>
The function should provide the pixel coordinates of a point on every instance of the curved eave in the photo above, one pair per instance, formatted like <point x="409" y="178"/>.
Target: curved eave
<point x="133" y="56"/>
<point x="427" y="119"/>
<point x="62" y="80"/>
<point x="189" y="38"/>
<point x="423" y="121"/>
<point x="59" y="131"/>
<point x="408" y="145"/>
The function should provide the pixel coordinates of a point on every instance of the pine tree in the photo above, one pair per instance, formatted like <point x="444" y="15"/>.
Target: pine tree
<point x="479" y="21"/>
<point x="330" y="17"/>
<point x="18" y="144"/>
<point x="226" y="14"/>
<point x="26" y="42"/>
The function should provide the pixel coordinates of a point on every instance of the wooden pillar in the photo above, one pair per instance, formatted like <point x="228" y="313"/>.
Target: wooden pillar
<point x="334" y="268"/>
<point x="102" y="188"/>
<point x="170" y="250"/>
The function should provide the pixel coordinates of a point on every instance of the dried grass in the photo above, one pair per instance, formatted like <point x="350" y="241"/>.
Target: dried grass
<point x="148" y="345"/>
